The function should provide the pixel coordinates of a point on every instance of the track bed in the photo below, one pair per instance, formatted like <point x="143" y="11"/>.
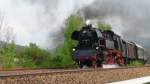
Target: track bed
<point x="71" y="76"/>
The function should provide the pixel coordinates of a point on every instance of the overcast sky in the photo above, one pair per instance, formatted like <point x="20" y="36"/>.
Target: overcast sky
<point x="39" y="20"/>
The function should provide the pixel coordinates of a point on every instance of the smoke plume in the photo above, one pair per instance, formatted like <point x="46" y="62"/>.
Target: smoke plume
<point x="42" y="21"/>
<point x="129" y="18"/>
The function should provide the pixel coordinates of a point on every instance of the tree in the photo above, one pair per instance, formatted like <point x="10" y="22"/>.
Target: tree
<point x="74" y="22"/>
<point x="7" y="48"/>
<point x="9" y="55"/>
<point x="104" y="26"/>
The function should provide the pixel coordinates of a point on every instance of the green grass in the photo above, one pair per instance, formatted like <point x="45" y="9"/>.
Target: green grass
<point x="136" y="63"/>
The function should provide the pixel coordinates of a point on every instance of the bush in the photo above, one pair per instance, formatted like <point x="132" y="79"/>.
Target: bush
<point x="136" y="63"/>
<point x="8" y="55"/>
<point x="34" y="57"/>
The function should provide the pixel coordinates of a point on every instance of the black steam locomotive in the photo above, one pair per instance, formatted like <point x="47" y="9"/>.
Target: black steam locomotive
<point x="96" y="47"/>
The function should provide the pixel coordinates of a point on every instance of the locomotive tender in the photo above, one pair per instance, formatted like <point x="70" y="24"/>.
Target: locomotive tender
<point x="96" y="47"/>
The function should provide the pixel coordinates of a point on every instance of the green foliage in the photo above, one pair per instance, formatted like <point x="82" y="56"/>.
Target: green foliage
<point x="136" y="63"/>
<point x="8" y="55"/>
<point x="64" y="54"/>
<point x="33" y="56"/>
<point x="74" y="22"/>
<point x="104" y="26"/>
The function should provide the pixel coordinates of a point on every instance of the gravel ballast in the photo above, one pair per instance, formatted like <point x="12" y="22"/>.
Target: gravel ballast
<point x="97" y="76"/>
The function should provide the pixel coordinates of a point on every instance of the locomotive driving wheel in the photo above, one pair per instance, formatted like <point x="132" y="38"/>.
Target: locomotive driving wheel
<point x="94" y="61"/>
<point x="120" y="61"/>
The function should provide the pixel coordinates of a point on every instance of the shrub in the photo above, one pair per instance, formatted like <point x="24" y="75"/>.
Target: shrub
<point x="33" y="56"/>
<point x="8" y="55"/>
<point x="136" y="63"/>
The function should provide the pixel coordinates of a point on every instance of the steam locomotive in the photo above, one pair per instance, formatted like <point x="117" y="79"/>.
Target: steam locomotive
<point x="96" y="47"/>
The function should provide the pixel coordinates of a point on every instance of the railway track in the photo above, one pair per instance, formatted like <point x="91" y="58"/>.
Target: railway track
<point x="21" y="72"/>
<point x="71" y="76"/>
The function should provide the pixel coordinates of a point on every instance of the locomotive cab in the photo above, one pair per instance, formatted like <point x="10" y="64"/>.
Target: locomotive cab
<point x="113" y="48"/>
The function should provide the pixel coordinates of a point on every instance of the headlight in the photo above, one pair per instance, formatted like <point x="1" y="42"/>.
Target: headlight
<point x="73" y="49"/>
<point x="97" y="48"/>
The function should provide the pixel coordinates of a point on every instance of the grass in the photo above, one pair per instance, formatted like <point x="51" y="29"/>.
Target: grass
<point x="136" y="63"/>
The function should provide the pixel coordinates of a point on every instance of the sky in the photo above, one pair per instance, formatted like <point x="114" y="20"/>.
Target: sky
<point x="41" y="21"/>
<point x="38" y="21"/>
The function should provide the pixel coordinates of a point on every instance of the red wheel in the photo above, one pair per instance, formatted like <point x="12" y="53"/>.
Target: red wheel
<point x="94" y="64"/>
<point x="94" y="61"/>
<point x="120" y="61"/>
